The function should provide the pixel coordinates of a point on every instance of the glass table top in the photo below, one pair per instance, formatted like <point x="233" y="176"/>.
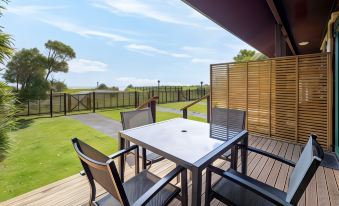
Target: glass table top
<point x="184" y="139"/>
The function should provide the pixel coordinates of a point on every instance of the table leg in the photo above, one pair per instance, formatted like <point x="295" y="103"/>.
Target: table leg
<point x="144" y="158"/>
<point x="184" y="196"/>
<point x="196" y="186"/>
<point x="122" y="158"/>
<point x="244" y="154"/>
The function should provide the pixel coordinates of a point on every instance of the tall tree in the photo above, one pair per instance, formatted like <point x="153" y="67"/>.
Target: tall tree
<point x="244" y="55"/>
<point x="58" y="55"/>
<point x="7" y="98"/>
<point x="26" y="69"/>
<point x="6" y="49"/>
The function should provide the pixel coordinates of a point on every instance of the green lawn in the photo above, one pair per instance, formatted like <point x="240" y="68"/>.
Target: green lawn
<point x="200" y="107"/>
<point x="42" y="153"/>
<point x="161" y="116"/>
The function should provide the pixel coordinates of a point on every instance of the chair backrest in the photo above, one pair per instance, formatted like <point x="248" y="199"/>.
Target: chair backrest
<point x="304" y="170"/>
<point x="136" y="118"/>
<point x="102" y="169"/>
<point x="232" y="119"/>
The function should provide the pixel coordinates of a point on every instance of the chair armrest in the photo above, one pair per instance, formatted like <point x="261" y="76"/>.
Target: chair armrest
<point x="123" y="151"/>
<point x="267" y="154"/>
<point x="145" y="198"/>
<point x="250" y="186"/>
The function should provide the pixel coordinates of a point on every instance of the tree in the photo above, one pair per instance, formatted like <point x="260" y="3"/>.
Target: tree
<point x="58" y="55"/>
<point x="102" y="86"/>
<point x="259" y="56"/>
<point x="244" y="55"/>
<point x="26" y="68"/>
<point x="130" y="86"/>
<point x="7" y="98"/>
<point x="115" y="88"/>
<point x="58" y="86"/>
<point x="6" y="49"/>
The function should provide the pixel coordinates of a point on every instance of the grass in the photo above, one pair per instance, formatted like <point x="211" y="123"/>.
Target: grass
<point x="42" y="153"/>
<point x="200" y="107"/>
<point x="161" y="116"/>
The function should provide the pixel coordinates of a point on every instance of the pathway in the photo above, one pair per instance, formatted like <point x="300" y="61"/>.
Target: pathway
<point x="178" y="111"/>
<point x="100" y="123"/>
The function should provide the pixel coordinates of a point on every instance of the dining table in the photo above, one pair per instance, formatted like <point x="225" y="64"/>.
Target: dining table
<point x="192" y="144"/>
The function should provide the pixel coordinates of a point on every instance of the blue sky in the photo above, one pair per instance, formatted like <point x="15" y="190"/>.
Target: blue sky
<point x="121" y="42"/>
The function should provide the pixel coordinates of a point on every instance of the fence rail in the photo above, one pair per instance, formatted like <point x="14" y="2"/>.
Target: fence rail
<point x="63" y="103"/>
<point x="285" y="98"/>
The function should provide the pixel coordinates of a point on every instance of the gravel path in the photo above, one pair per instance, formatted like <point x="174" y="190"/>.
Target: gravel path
<point x="178" y="111"/>
<point x="100" y="123"/>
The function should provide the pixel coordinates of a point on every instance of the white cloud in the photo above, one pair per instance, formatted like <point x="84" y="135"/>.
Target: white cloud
<point x="85" y="65"/>
<point x="206" y="61"/>
<point x="149" y="9"/>
<point x="143" y="81"/>
<point x="149" y="50"/>
<point x="87" y="32"/>
<point x="31" y="9"/>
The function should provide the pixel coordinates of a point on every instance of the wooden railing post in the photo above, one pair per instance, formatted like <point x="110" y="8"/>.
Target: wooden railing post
<point x="153" y="106"/>
<point x="184" y="113"/>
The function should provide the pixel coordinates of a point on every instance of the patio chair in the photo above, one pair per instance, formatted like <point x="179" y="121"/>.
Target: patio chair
<point x="238" y="189"/>
<point x="137" y="118"/>
<point x="144" y="188"/>
<point x="233" y="120"/>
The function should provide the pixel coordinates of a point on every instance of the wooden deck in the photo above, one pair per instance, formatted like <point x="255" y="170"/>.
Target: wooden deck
<point x="323" y="189"/>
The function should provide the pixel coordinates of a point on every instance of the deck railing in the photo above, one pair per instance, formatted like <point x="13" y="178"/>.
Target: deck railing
<point x="285" y="98"/>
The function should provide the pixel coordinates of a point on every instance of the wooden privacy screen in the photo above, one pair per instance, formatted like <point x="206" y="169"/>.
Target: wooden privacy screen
<point x="285" y="98"/>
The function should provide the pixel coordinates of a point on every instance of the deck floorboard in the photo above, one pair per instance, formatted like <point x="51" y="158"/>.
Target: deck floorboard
<point x="323" y="189"/>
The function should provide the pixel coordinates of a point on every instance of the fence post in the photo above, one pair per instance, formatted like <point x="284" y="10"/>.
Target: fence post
<point x="28" y="108"/>
<point x="208" y="108"/>
<point x="136" y="99"/>
<point x="51" y="102"/>
<point x="65" y="112"/>
<point x="93" y="102"/>
<point x="178" y="94"/>
<point x="189" y="94"/>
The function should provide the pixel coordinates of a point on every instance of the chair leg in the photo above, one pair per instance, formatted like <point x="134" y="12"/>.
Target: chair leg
<point x="208" y="188"/>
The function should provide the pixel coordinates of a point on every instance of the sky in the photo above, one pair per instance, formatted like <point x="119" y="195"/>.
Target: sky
<point x="121" y="42"/>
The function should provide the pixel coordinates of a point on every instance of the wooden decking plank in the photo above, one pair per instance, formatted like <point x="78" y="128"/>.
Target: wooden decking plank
<point x="269" y="163"/>
<point x="322" y="191"/>
<point x="332" y="186"/>
<point x="282" y="177"/>
<point x="261" y="164"/>
<point x="274" y="172"/>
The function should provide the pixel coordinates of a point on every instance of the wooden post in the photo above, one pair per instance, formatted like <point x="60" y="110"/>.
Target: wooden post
<point x="189" y="94"/>
<point x="93" y="102"/>
<point x="184" y="113"/>
<point x="65" y="109"/>
<point x="208" y="109"/>
<point x="178" y="92"/>
<point x="153" y="105"/>
<point x="51" y="103"/>
<point x="135" y="99"/>
<point x="28" y="108"/>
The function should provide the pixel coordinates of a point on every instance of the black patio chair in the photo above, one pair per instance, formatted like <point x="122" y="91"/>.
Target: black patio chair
<point x="144" y="188"/>
<point x="238" y="189"/>
<point x="231" y="119"/>
<point x="137" y="118"/>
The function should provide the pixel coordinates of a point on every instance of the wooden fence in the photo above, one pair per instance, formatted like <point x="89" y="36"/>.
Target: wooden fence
<point x="284" y="98"/>
<point x="63" y="103"/>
